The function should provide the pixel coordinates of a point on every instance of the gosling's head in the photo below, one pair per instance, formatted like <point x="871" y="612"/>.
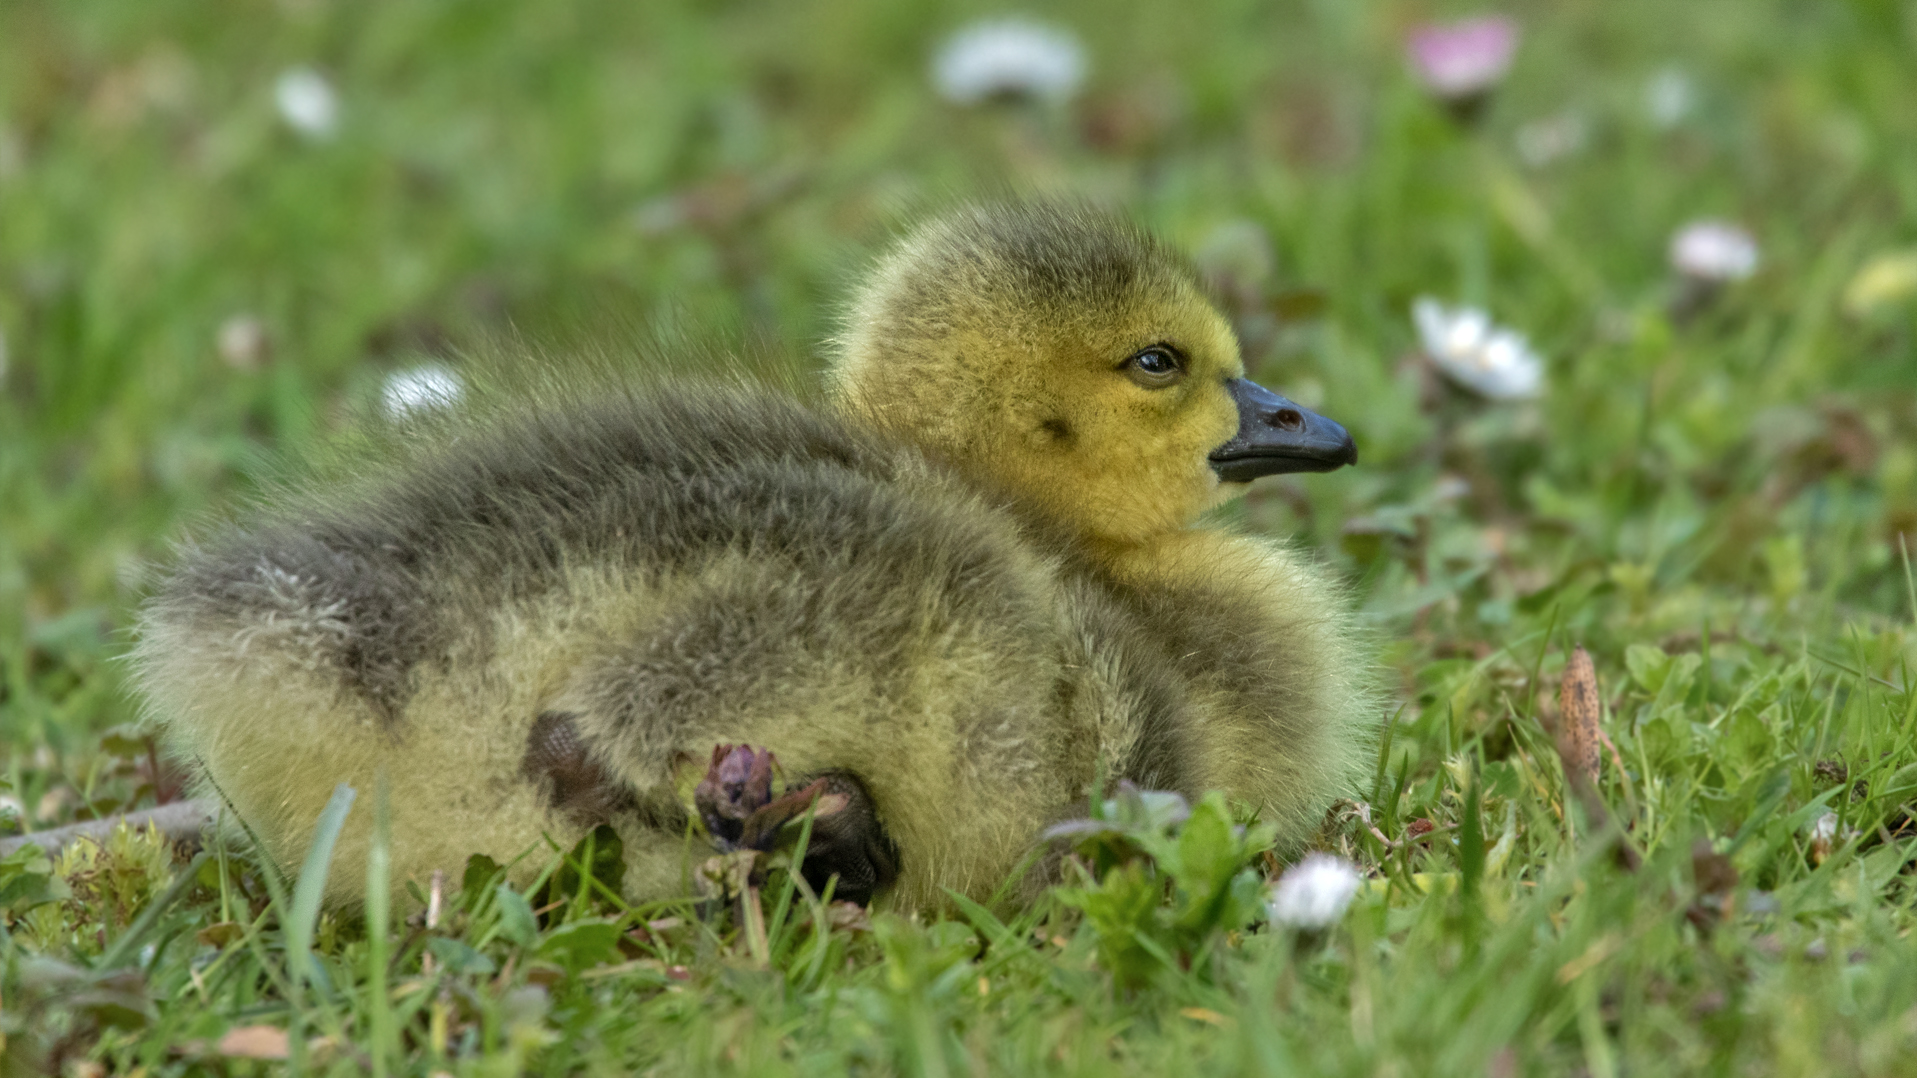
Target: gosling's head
<point x="1072" y="359"/>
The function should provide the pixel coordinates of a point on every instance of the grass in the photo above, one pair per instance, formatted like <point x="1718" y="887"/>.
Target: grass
<point x="1712" y="504"/>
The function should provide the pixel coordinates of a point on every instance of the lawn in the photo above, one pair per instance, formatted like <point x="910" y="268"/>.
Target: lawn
<point x="225" y="227"/>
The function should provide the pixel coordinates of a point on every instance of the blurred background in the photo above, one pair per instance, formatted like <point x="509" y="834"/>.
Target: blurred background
<point x="1617" y="296"/>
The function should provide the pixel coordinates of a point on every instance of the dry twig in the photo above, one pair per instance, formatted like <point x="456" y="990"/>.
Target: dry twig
<point x="181" y="822"/>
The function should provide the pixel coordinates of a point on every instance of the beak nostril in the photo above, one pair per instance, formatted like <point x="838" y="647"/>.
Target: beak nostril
<point x="1278" y="437"/>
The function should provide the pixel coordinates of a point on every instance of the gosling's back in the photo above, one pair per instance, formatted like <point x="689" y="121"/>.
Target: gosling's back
<point x="670" y="568"/>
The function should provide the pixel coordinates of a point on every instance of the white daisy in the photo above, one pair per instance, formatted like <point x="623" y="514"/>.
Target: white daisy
<point x="1013" y="57"/>
<point x="1669" y="98"/>
<point x="307" y="102"/>
<point x="1824" y="828"/>
<point x="242" y="342"/>
<point x="1476" y="353"/>
<point x="1825" y="836"/>
<point x="1714" y="251"/>
<point x="1313" y="893"/>
<point x="420" y="389"/>
<point x="1541" y="142"/>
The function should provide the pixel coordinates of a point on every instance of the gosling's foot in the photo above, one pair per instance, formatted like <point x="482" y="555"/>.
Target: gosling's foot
<point x="849" y="843"/>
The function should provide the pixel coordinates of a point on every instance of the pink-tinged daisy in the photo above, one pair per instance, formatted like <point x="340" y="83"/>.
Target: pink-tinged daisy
<point x="1462" y="62"/>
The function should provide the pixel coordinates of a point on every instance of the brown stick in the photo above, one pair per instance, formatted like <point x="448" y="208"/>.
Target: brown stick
<point x="181" y="821"/>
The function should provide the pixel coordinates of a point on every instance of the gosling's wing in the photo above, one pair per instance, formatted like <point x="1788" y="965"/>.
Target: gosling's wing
<point x="402" y="623"/>
<point x="1262" y="639"/>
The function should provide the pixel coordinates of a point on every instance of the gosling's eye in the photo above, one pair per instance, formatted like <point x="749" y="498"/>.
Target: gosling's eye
<point x="1155" y="367"/>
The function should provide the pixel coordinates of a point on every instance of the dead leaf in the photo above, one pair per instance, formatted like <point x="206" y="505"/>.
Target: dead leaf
<point x="1600" y="949"/>
<point x="1578" y="711"/>
<point x="544" y="974"/>
<point x="1713" y="872"/>
<point x="254" y="1042"/>
<point x="1715" y="877"/>
<point x="848" y="917"/>
<point x="726" y="875"/>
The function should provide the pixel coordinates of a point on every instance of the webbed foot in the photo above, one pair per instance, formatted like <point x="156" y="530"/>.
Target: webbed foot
<point x="847" y="841"/>
<point x="850" y="843"/>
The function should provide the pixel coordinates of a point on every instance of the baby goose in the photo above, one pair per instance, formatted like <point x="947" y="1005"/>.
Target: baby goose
<point x="958" y="598"/>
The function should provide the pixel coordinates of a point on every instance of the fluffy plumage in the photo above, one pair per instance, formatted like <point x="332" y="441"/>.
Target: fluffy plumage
<point x="974" y="584"/>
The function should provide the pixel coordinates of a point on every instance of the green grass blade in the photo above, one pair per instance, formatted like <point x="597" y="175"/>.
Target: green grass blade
<point x="379" y="1002"/>
<point x="311" y="887"/>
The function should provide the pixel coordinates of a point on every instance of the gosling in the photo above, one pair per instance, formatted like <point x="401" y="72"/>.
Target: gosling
<point x="962" y="595"/>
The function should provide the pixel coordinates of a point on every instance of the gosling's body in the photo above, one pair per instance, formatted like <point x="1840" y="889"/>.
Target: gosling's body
<point x="914" y="597"/>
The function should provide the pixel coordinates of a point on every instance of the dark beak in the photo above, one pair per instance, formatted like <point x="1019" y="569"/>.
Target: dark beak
<point x="1276" y="436"/>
